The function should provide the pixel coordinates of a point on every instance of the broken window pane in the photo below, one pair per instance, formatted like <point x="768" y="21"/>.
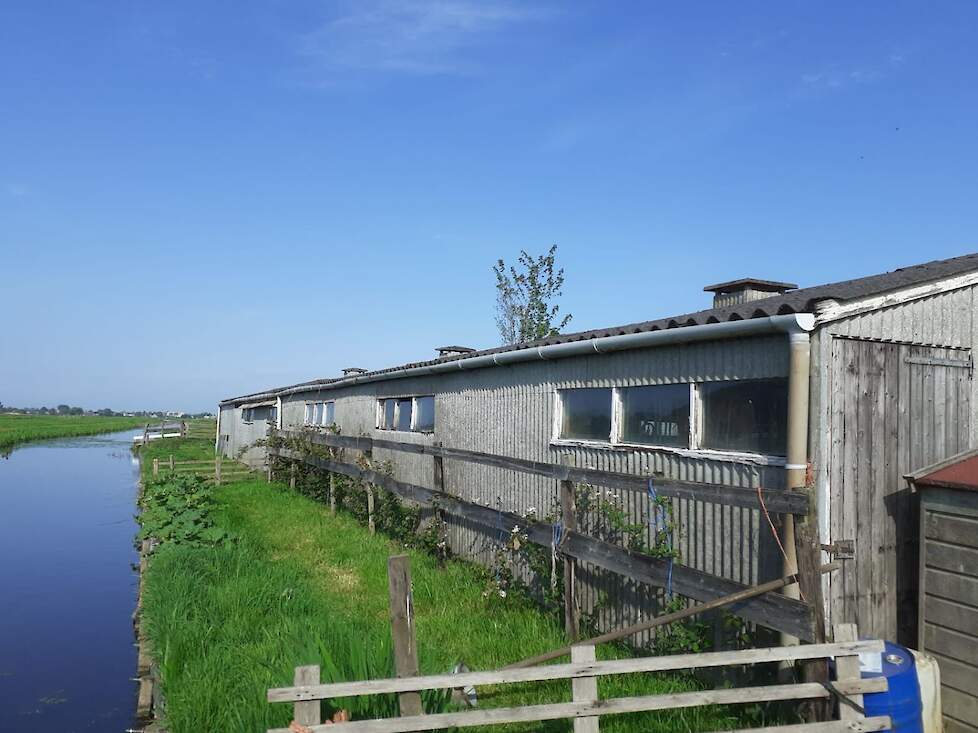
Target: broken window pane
<point x="656" y="415"/>
<point x="586" y="414"/>
<point x="746" y="416"/>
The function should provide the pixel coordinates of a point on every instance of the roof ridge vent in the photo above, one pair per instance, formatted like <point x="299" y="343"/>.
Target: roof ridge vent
<point x="444" y="351"/>
<point x="353" y="370"/>
<point x="744" y="290"/>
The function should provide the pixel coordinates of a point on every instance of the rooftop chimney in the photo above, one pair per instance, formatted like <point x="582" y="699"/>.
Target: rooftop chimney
<point x="453" y="350"/>
<point x="353" y="370"/>
<point x="745" y="290"/>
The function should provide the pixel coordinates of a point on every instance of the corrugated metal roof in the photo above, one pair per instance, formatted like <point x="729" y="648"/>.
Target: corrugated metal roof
<point x="795" y="301"/>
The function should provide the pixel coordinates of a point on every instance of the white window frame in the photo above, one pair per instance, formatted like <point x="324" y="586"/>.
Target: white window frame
<point x="379" y="416"/>
<point x="615" y="441"/>
<point x="326" y="404"/>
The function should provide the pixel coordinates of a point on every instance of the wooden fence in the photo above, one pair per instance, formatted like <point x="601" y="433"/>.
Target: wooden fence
<point x="772" y="610"/>
<point x="219" y="470"/>
<point x="587" y="707"/>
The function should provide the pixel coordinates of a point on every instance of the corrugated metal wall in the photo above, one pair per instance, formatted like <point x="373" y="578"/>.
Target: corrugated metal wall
<point x="510" y="411"/>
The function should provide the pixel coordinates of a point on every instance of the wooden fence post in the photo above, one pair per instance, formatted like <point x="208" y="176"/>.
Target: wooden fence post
<point x="368" y="457"/>
<point x="808" y="551"/>
<point x="156" y="467"/>
<point x="568" y="520"/>
<point x="370" y="509"/>
<point x="584" y="689"/>
<point x="307" y="712"/>
<point x="332" y="493"/>
<point x="402" y="630"/>
<point x="292" y="475"/>
<point x="171" y="461"/>
<point x="217" y="470"/>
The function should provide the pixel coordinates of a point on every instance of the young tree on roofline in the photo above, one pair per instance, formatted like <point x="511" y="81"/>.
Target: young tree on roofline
<point x="525" y="295"/>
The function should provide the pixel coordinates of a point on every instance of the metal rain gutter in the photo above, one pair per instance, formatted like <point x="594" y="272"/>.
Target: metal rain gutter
<point x="794" y="323"/>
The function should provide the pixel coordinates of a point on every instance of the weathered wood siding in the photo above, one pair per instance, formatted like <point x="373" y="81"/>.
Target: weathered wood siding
<point x="892" y="391"/>
<point x="510" y="411"/>
<point x="949" y="599"/>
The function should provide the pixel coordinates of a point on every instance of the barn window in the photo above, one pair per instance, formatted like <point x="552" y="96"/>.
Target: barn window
<point x="407" y="414"/>
<point x="424" y="414"/>
<point x="247" y="414"/>
<point x="329" y="413"/>
<point x="585" y="414"/>
<point x="402" y="415"/>
<point x="307" y="419"/>
<point x="317" y="413"/>
<point x="656" y="415"/>
<point x="745" y="416"/>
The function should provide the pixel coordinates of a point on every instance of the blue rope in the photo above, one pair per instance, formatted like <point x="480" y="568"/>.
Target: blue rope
<point x="654" y="513"/>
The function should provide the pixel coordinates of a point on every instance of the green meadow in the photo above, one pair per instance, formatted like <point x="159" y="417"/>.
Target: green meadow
<point x="293" y="584"/>
<point x="17" y="429"/>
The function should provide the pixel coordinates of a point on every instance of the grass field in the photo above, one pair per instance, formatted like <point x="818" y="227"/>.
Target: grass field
<point x="301" y="586"/>
<point x="17" y="429"/>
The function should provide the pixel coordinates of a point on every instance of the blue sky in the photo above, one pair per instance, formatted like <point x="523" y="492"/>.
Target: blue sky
<point x="202" y="199"/>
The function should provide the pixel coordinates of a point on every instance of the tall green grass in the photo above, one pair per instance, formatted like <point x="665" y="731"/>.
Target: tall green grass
<point x="17" y="429"/>
<point x="304" y="587"/>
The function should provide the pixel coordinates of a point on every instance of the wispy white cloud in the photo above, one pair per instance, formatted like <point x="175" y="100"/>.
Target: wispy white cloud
<point x="410" y="36"/>
<point x="839" y="76"/>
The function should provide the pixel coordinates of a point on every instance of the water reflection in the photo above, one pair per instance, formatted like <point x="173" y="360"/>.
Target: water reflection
<point x="67" y="590"/>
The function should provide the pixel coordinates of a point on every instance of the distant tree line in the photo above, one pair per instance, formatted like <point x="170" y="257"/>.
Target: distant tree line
<point x="104" y="412"/>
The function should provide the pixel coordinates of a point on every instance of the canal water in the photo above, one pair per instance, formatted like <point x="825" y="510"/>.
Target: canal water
<point x="67" y="587"/>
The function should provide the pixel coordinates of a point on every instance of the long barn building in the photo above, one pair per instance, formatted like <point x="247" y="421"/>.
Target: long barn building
<point x="849" y="386"/>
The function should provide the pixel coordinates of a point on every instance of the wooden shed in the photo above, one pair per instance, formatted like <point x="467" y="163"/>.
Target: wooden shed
<point x="948" y="601"/>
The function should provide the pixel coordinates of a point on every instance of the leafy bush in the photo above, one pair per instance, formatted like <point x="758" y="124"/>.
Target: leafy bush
<point x="180" y="509"/>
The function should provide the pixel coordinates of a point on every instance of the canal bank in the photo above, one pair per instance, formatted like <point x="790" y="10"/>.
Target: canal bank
<point x="66" y="539"/>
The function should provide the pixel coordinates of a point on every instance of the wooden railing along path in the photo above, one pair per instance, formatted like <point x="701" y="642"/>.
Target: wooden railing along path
<point x="587" y="707"/>
<point x="219" y="470"/>
<point x="773" y="610"/>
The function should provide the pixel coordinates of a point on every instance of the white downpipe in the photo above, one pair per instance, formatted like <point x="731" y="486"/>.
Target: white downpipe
<point x="794" y="323"/>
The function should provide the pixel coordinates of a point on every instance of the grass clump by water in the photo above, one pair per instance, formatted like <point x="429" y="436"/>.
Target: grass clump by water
<point x="17" y="429"/>
<point x="301" y="586"/>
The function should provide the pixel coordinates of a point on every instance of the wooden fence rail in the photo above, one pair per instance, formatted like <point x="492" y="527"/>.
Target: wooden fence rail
<point x="587" y="707"/>
<point x="772" y="610"/>
<point x="217" y="470"/>
<point x="780" y="501"/>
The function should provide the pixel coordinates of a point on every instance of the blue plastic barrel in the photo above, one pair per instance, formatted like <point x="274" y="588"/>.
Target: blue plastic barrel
<point x="902" y="701"/>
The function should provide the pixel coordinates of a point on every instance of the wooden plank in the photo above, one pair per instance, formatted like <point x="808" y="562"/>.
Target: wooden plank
<point x="402" y="630"/>
<point x="584" y="689"/>
<point x="951" y="586"/>
<point x="956" y="726"/>
<point x="938" y="640"/>
<point x="958" y="705"/>
<point x="667" y="663"/>
<point x="954" y="529"/>
<point x="772" y="610"/>
<point x="779" y="501"/>
<point x="954" y="616"/>
<point x="307" y="712"/>
<point x="847" y="669"/>
<point x="958" y="675"/>
<point x="955" y="558"/>
<point x="558" y="711"/>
